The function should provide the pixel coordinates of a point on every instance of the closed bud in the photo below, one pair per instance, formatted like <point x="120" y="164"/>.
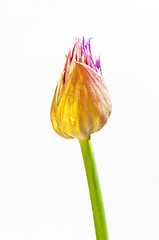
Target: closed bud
<point x="81" y="103"/>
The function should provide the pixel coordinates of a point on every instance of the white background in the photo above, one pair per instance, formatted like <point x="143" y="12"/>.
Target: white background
<point x="43" y="188"/>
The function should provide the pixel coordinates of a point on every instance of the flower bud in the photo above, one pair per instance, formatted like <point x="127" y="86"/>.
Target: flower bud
<point x="81" y="103"/>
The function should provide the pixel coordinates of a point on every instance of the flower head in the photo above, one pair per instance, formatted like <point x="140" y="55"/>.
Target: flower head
<point x="81" y="103"/>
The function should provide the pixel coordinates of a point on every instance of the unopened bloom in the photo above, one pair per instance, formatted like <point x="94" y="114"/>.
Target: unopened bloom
<point x="81" y="103"/>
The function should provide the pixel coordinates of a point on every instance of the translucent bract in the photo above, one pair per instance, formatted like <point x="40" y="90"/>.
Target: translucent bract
<point x="81" y="103"/>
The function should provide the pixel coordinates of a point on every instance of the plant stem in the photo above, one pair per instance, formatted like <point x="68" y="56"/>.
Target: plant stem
<point x="94" y="189"/>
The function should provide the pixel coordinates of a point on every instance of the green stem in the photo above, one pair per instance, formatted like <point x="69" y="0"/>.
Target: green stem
<point x="94" y="190"/>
